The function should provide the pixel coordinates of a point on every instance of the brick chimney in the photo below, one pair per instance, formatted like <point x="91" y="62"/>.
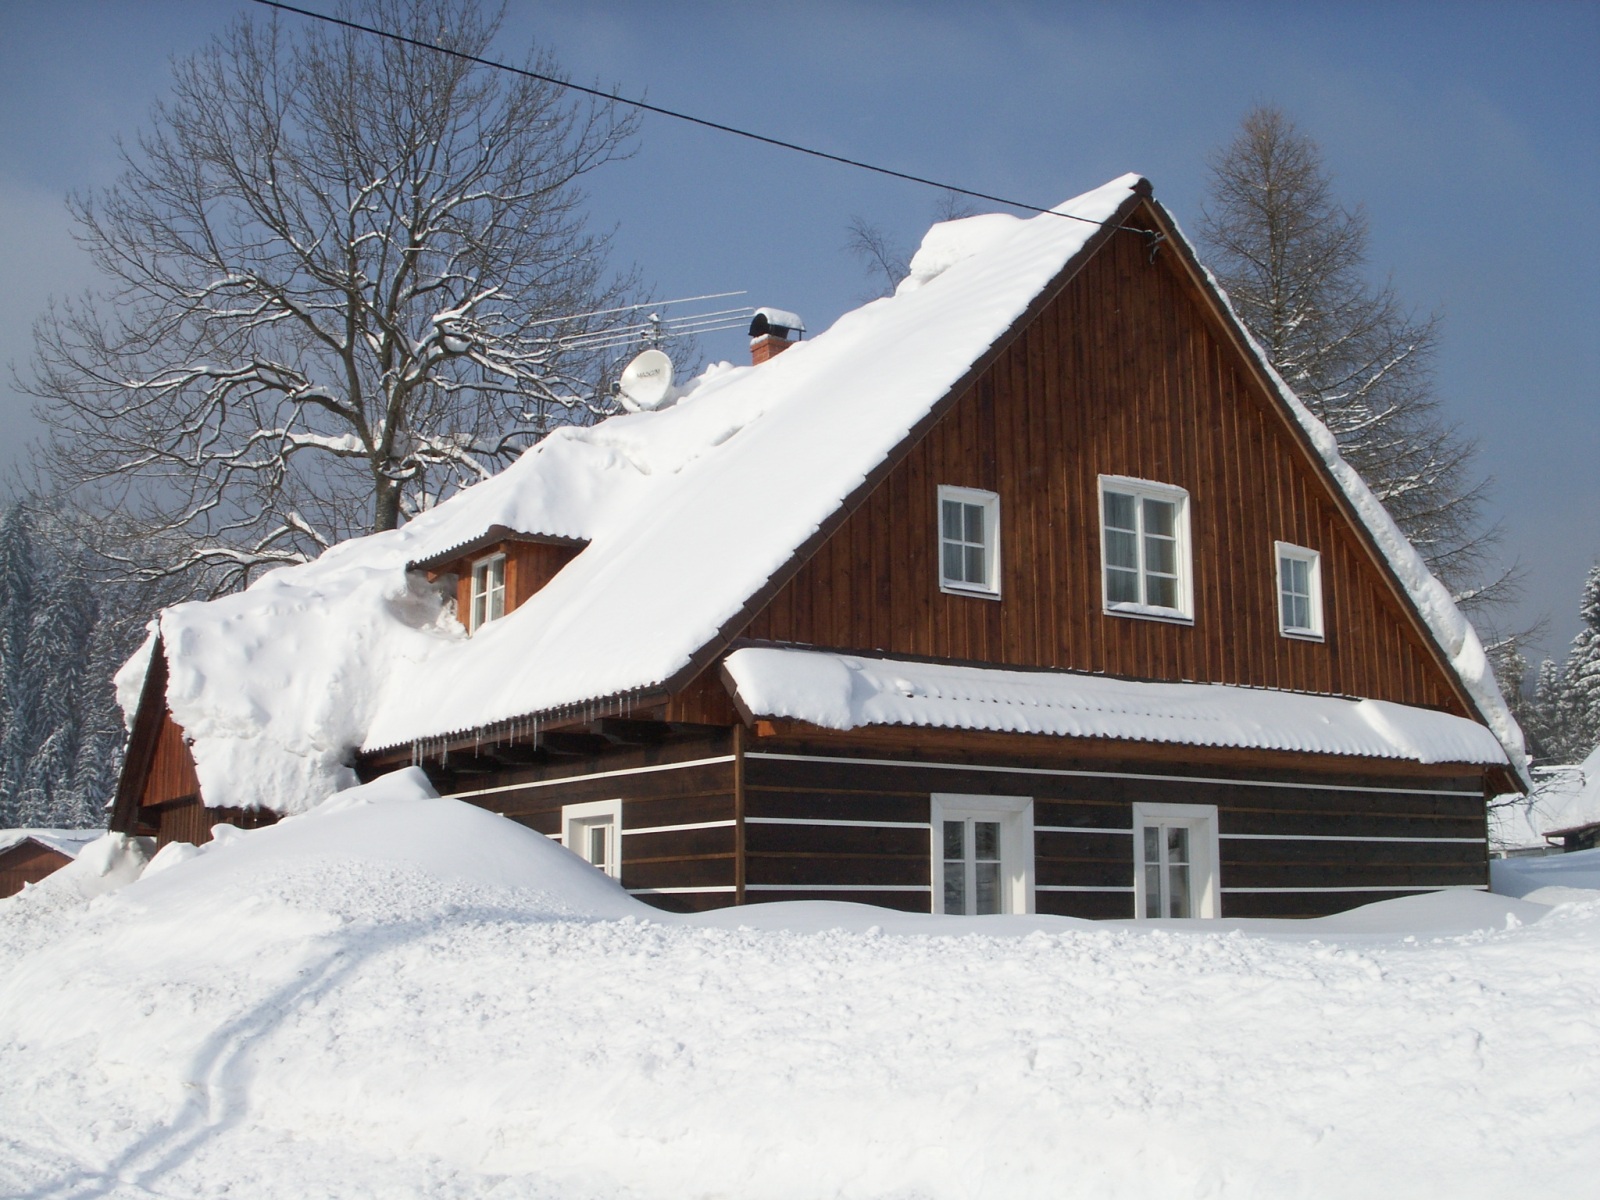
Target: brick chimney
<point x="770" y="333"/>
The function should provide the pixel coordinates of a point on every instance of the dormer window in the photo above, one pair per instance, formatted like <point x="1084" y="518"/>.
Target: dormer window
<point x="488" y="591"/>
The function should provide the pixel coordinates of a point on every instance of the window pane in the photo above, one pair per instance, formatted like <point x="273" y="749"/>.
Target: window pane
<point x="1178" y="892"/>
<point x="974" y="529"/>
<point x="952" y="519"/>
<point x="975" y="572"/>
<point x="955" y="887"/>
<point x="986" y="883"/>
<point x="497" y="604"/>
<point x="1122" y="550"/>
<point x="955" y="839"/>
<point x="1152" y="889"/>
<point x="1161" y="555"/>
<point x="952" y="561"/>
<point x="1177" y="844"/>
<point x="1122" y="587"/>
<point x="1162" y="591"/>
<point x="1120" y="511"/>
<point x="1299" y="576"/>
<point x="986" y="841"/>
<point x="1160" y="516"/>
<point x="597" y="844"/>
<point x="1152" y="843"/>
<point x="1297" y="612"/>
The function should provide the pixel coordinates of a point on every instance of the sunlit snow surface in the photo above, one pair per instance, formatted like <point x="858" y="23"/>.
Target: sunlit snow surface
<point x="396" y="995"/>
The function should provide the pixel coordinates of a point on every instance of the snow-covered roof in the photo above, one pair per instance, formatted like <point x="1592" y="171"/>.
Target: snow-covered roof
<point x="63" y="841"/>
<point x="687" y="511"/>
<point x="843" y="691"/>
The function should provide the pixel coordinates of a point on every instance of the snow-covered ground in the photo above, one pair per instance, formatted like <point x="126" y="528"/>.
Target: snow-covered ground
<point x="396" y="995"/>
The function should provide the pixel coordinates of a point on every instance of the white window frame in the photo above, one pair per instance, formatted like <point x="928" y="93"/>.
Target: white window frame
<point x="482" y="569"/>
<point x="1313" y="558"/>
<point x="1015" y="815"/>
<point x="578" y="819"/>
<point x="1146" y="489"/>
<point x="990" y="503"/>
<point x="1205" y="853"/>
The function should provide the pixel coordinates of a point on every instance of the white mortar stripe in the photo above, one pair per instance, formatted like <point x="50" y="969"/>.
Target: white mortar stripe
<point x="1438" y="887"/>
<point x="1080" y="829"/>
<point x="847" y="824"/>
<point x="680" y="891"/>
<point x="837" y="887"/>
<point x="937" y="766"/>
<point x="675" y="828"/>
<point x="1340" y="837"/>
<point x="1073" y="887"/>
<point x="539" y="783"/>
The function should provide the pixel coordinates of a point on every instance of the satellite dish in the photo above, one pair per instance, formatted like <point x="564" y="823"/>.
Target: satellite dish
<point x="645" y="381"/>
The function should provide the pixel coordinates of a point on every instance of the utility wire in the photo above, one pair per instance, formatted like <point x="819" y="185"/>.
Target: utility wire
<point x="612" y="98"/>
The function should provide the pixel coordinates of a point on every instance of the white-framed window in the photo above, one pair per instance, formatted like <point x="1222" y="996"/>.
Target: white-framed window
<point x="593" y="831"/>
<point x="1144" y="549"/>
<point x="982" y="854"/>
<point x="488" y="591"/>
<point x="969" y="541"/>
<point x="1175" y="857"/>
<point x="1299" y="591"/>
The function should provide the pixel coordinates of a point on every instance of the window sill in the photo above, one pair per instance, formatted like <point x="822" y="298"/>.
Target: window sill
<point x="1302" y="635"/>
<point x="1145" y="612"/>
<point x="952" y="589"/>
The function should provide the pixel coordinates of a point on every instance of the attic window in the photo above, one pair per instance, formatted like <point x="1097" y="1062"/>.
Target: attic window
<point x="1144" y="541"/>
<point x="488" y="591"/>
<point x="1299" y="592"/>
<point x="969" y="541"/>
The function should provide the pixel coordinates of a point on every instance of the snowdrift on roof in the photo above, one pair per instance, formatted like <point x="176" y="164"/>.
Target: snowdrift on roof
<point x="841" y="691"/>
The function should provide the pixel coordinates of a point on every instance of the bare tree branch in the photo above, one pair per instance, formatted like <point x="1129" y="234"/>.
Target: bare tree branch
<point x="332" y="265"/>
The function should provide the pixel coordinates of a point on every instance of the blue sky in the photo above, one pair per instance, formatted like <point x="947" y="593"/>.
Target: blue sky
<point x="1470" y="133"/>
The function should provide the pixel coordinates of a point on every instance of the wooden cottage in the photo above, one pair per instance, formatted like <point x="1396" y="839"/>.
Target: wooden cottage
<point x="29" y="855"/>
<point x="1028" y="589"/>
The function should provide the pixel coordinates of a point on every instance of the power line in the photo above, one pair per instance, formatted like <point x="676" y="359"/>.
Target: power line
<point x="612" y="98"/>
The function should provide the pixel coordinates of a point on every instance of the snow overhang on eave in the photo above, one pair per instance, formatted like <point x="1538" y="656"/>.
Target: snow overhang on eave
<point x="493" y="536"/>
<point x="844" y="692"/>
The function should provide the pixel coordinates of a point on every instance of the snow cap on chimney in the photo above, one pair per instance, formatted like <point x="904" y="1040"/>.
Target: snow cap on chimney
<point x="770" y="332"/>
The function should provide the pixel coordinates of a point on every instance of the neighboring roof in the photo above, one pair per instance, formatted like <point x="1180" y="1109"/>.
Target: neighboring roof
<point x="688" y="513"/>
<point x="62" y="841"/>
<point x="844" y="691"/>
<point x="1566" y="799"/>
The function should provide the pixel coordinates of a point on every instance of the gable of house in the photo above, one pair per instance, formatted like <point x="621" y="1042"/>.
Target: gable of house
<point x="1126" y="372"/>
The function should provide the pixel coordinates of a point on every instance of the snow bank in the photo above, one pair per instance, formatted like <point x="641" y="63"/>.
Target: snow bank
<point x="839" y="691"/>
<point x="403" y="996"/>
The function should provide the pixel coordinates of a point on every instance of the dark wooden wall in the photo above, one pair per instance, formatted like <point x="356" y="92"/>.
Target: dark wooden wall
<point x="1123" y="374"/>
<point x="28" y="863"/>
<point x="662" y="787"/>
<point x="786" y="861"/>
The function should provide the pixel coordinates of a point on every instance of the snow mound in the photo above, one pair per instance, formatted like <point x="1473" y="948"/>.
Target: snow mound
<point x="404" y="996"/>
<point x="949" y="242"/>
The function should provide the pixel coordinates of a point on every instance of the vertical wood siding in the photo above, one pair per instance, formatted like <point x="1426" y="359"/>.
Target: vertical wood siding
<point x="1123" y="374"/>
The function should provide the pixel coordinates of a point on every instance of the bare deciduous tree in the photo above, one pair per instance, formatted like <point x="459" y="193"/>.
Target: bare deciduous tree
<point x="342" y="273"/>
<point x="1293" y="261"/>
